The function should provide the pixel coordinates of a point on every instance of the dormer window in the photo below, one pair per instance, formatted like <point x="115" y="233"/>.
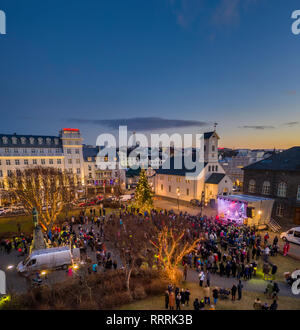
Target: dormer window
<point x="56" y="141"/>
<point x="5" y="140"/>
<point x="23" y="140"/>
<point x="31" y="140"/>
<point x="14" y="140"/>
<point x="40" y="140"/>
<point x="48" y="140"/>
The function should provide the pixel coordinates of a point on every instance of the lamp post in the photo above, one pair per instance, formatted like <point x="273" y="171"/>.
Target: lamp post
<point x="178" y="195"/>
<point x="259" y="213"/>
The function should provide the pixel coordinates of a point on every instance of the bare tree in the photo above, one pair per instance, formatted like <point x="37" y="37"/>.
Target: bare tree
<point x="49" y="190"/>
<point x="130" y="241"/>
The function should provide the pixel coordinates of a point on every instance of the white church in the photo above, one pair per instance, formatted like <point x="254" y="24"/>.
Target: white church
<point x="211" y="182"/>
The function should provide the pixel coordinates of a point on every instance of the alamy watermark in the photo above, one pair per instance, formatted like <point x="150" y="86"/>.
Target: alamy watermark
<point x="179" y="152"/>
<point x="296" y="24"/>
<point x="2" y="283"/>
<point x="296" y="284"/>
<point x="2" y="22"/>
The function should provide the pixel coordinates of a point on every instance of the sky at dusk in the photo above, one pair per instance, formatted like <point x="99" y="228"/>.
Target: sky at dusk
<point x="157" y="66"/>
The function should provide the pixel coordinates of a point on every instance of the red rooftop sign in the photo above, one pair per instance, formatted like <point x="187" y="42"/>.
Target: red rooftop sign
<point x="71" y="129"/>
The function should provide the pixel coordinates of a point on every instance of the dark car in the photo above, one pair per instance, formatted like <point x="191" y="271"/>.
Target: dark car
<point x="195" y="202"/>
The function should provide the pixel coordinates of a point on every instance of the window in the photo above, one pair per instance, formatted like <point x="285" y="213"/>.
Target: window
<point x="297" y="234"/>
<point x="68" y="151"/>
<point x="69" y="161"/>
<point x="14" y="140"/>
<point x="1" y="173"/>
<point x="266" y="188"/>
<point x="6" y="150"/>
<point x="43" y="162"/>
<point x="40" y="140"/>
<point x="5" y="140"/>
<point x="51" y="161"/>
<point x="56" y="141"/>
<point x="209" y="168"/>
<point x="34" y="161"/>
<point x="41" y="150"/>
<point x="25" y="161"/>
<point x="161" y="187"/>
<point x="76" y="151"/>
<point x="213" y="148"/>
<point x="33" y="151"/>
<point x="78" y="170"/>
<point x="59" y="161"/>
<point x="77" y="161"/>
<point x="282" y="189"/>
<point x="17" y="162"/>
<point x="90" y="175"/>
<point x="187" y="192"/>
<point x="48" y="141"/>
<point x="216" y="168"/>
<point x="57" y="150"/>
<point x="31" y="140"/>
<point x="7" y="162"/>
<point x="18" y="172"/>
<point x="169" y="188"/>
<point x="279" y="210"/>
<point x="90" y="167"/>
<point x="16" y="151"/>
<point x="24" y="151"/>
<point x="298" y="194"/>
<point x="251" y="188"/>
<point x="23" y="140"/>
<point x="9" y="173"/>
<point x="169" y="178"/>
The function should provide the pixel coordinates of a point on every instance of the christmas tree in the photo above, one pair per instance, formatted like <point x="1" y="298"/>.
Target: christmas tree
<point x="143" y="193"/>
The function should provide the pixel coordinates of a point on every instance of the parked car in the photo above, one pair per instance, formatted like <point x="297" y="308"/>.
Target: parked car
<point x="48" y="259"/>
<point x="195" y="202"/>
<point x="292" y="235"/>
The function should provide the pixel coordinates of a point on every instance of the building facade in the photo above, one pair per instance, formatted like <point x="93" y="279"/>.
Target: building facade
<point x="277" y="177"/>
<point x="64" y="151"/>
<point x="211" y="182"/>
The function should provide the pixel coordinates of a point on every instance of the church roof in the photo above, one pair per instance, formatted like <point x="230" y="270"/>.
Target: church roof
<point x="174" y="171"/>
<point x="215" y="178"/>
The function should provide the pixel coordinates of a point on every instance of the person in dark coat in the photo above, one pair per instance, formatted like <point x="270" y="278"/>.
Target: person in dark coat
<point x="228" y="269"/>
<point x="166" y="299"/>
<point x="222" y="269"/>
<point x="187" y="296"/>
<point x="233" y="292"/>
<point x="196" y="305"/>
<point x="240" y="288"/>
<point x="274" y="306"/>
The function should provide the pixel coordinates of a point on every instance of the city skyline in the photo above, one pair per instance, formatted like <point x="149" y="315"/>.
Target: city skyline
<point x="174" y="63"/>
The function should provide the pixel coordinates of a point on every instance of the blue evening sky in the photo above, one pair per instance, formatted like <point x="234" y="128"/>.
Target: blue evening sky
<point x="69" y="63"/>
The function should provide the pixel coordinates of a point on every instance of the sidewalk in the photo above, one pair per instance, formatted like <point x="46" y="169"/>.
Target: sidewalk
<point x="254" y="285"/>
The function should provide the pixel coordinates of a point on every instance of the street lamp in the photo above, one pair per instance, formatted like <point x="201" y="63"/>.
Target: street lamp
<point x="178" y="195"/>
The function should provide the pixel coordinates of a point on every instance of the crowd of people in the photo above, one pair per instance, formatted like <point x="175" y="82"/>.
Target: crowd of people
<point x="229" y="250"/>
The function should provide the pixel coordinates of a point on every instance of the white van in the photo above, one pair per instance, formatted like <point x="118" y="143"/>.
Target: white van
<point x="293" y="235"/>
<point x="125" y="198"/>
<point x="49" y="259"/>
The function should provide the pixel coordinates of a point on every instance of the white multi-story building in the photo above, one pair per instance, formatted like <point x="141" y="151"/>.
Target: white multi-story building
<point x="64" y="151"/>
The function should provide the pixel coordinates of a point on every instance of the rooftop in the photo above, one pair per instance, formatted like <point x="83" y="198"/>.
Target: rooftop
<point x="288" y="160"/>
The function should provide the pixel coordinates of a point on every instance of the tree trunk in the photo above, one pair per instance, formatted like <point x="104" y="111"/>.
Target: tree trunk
<point x="128" y="274"/>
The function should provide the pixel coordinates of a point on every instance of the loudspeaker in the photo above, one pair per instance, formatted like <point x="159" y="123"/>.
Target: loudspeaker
<point x="249" y="212"/>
